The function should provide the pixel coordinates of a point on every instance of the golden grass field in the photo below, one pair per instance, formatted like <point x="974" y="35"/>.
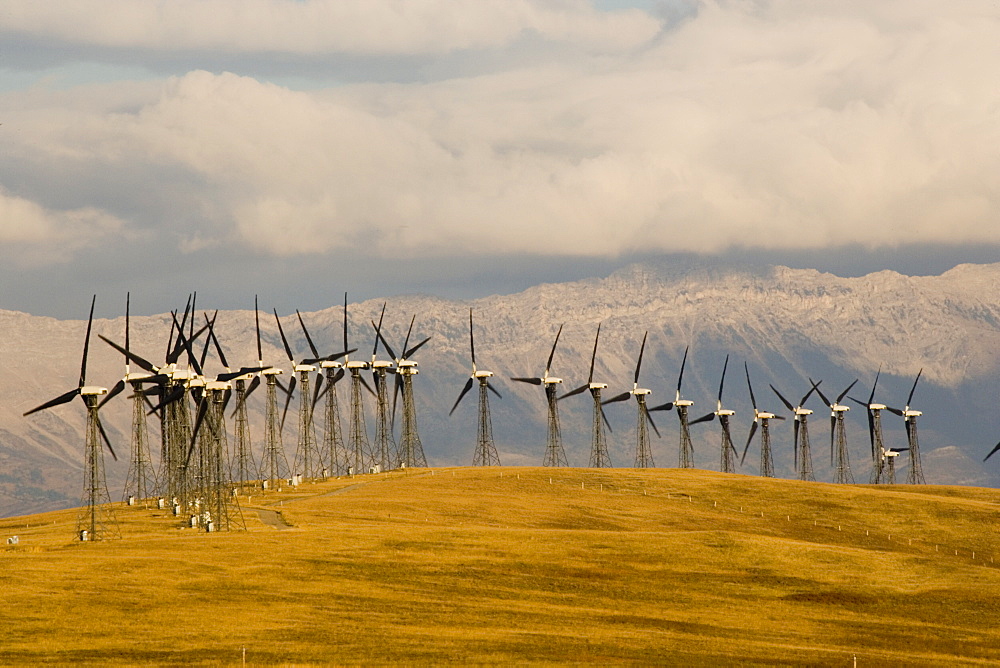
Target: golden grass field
<point x="503" y="566"/>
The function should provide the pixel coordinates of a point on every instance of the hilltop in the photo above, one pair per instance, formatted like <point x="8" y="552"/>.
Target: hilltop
<point x="788" y="324"/>
<point x="522" y="565"/>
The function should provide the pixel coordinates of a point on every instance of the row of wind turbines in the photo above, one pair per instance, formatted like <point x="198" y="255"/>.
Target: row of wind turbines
<point x="883" y="459"/>
<point x="199" y="472"/>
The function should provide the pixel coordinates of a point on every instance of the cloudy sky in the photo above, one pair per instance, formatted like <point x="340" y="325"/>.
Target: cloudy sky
<point x="298" y="149"/>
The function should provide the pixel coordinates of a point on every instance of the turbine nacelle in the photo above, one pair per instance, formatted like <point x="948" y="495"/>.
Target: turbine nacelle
<point x="876" y="407"/>
<point x="683" y="402"/>
<point x="218" y="385"/>
<point x="482" y="374"/>
<point x="381" y="364"/>
<point x="355" y="366"/>
<point x="838" y="408"/>
<point x="93" y="391"/>
<point x="911" y="414"/>
<point x="598" y="386"/>
<point x="304" y="368"/>
<point x="551" y="381"/>
<point x="640" y="392"/>
<point x="725" y="412"/>
<point x="326" y="364"/>
<point x="134" y="376"/>
<point x="271" y="372"/>
<point x="802" y="411"/>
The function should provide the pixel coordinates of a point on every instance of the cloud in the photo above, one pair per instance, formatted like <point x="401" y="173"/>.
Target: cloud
<point x="322" y="26"/>
<point x="756" y="124"/>
<point x="32" y="235"/>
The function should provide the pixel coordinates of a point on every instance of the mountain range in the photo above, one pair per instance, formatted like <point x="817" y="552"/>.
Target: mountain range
<point x="788" y="325"/>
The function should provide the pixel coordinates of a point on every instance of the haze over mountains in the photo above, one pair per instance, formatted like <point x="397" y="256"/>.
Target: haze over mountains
<point x="788" y="324"/>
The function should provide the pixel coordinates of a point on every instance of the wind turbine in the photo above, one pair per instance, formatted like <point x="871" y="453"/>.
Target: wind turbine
<point x="555" y="455"/>
<point x="140" y="482"/>
<point x="915" y="476"/>
<point x="599" y="457"/>
<point x="727" y="462"/>
<point x="643" y="454"/>
<point x="880" y="456"/>
<point x="764" y="419"/>
<point x="411" y="450"/>
<point x="486" y="451"/>
<point x="333" y="443"/>
<point x="97" y="520"/>
<point x="800" y="438"/>
<point x="359" y="449"/>
<point x="839" y="458"/>
<point x="385" y="448"/>
<point x="216" y="493"/>
<point x="685" y="452"/>
<point x="307" y="453"/>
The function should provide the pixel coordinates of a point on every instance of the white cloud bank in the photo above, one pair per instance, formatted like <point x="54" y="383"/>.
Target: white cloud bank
<point x="322" y="26"/>
<point x="764" y="124"/>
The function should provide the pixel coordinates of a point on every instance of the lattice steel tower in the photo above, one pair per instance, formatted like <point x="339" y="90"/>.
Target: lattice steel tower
<point x="555" y="455"/>
<point x="599" y="457"/>
<point x="274" y="466"/>
<point x="763" y="419"/>
<point x="485" y="453"/>
<point x="333" y="440"/>
<point x="915" y="476"/>
<point x="727" y="461"/>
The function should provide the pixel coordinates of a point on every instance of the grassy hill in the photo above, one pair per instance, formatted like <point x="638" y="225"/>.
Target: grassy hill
<point x="525" y="565"/>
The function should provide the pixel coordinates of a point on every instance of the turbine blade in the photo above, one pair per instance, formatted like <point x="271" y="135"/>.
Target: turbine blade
<point x="822" y="396"/>
<point x="783" y="400"/>
<point x="143" y="364"/>
<point x="753" y="430"/>
<point x="115" y="391"/>
<point x="379" y="337"/>
<point x="593" y="356"/>
<point x="86" y="343"/>
<point x="256" y="320"/>
<point x="605" y="418"/>
<point x="833" y="426"/>
<point x="638" y="364"/>
<point x="104" y="437"/>
<point x="871" y="397"/>
<point x="548" y="364"/>
<point x="472" y="342"/>
<point x="367" y="386"/>
<point x="843" y="394"/>
<point x="572" y="393"/>
<point x="894" y="411"/>
<point x="409" y="352"/>
<point x="680" y="378"/>
<point x="613" y="400"/>
<point x="753" y="399"/>
<point x="493" y="390"/>
<point x="912" y="389"/>
<point x="809" y="393"/>
<point x="723" y="381"/>
<point x="378" y="329"/>
<point x="662" y="407"/>
<point x="305" y="331"/>
<point x="992" y="452"/>
<point x="61" y="399"/>
<point x="465" y="390"/>
<point x="532" y="381"/>
<point x="795" y="444"/>
<point x="284" y="341"/>
<point x="703" y="418"/>
<point x="649" y="418"/>
<point x="406" y="341"/>
<point x="218" y="346"/>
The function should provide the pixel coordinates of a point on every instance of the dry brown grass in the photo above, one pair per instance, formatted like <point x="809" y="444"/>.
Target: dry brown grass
<point x="466" y="566"/>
